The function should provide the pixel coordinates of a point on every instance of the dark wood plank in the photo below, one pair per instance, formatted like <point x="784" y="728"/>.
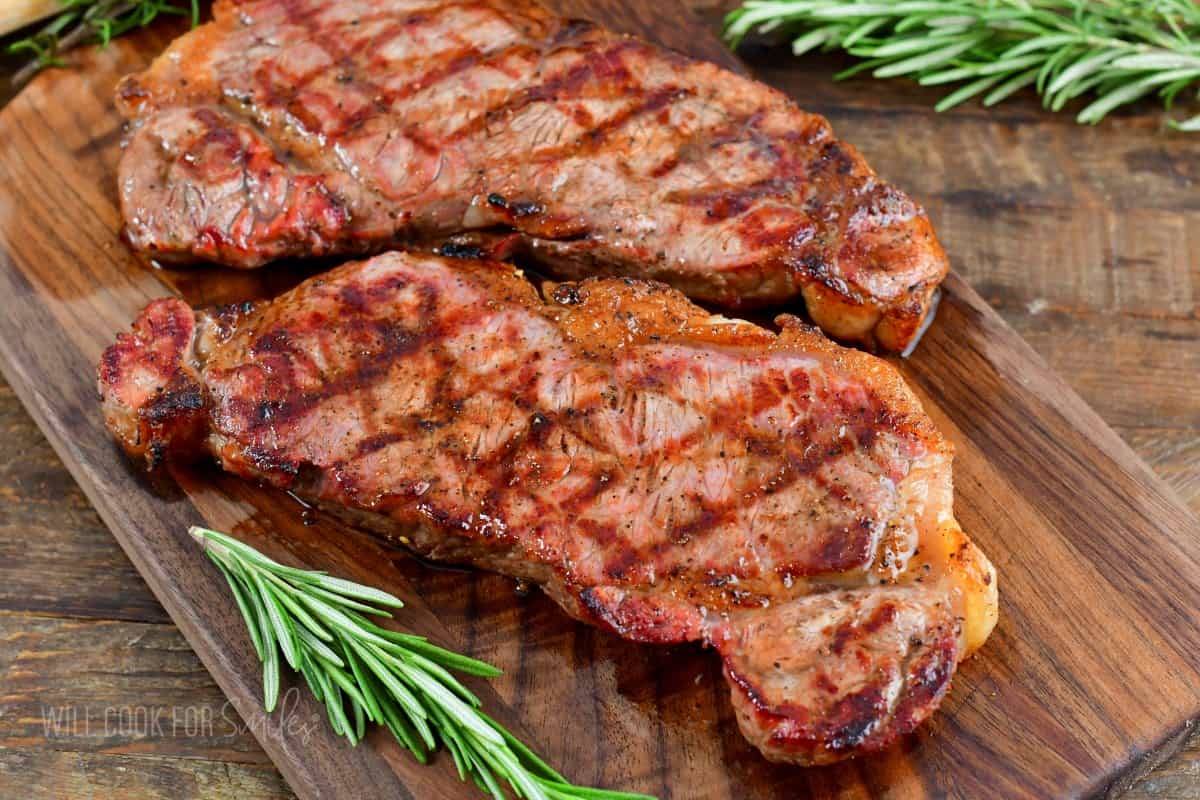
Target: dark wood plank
<point x="1135" y="371"/>
<point x="1011" y="419"/>
<point x="113" y="687"/>
<point x="1177" y="778"/>
<point x="1013" y="165"/>
<point x="66" y="775"/>
<point x="1174" y="455"/>
<point x="56" y="556"/>
<point x="1085" y="538"/>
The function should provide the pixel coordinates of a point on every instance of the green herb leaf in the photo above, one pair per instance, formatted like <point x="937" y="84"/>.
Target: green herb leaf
<point x="1115" y="50"/>
<point x="1190" y="125"/>
<point x="362" y="672"/>
<point x="92" y="22"/>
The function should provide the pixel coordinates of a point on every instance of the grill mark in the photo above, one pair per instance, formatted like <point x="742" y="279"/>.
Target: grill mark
<point x="177" y="405"/>
<point x="600" y="64"/>
<point x="440" y="72"/>
<point x="497" y="466"/>
<point x="861" y="716"/>
<point x="274" y="354"/>
<point x="455" y="64"/>
<point x="705" y="521"/>
<point x="369" y="370"/>
<point x="539" y="434"/>
<point x="665" y="167"/>
<point x="855" y="717"/>
<point x="340" y="56"/>
<point x="727" y="202"/>
<point x="215" y="132"/>
<point x="706" y="139"/>
<point x="836" y="554"/>
<point x="595" y="65"/>
<point x="384" y="97"/>
<point x="832" y="163"/>
<point x="622" y="561"/>
<point x="594" y="139"/>
<point x="373" y="444"/>
<point x="736" y="200"/>
<point x="852" y="631"/>
<point x="928" y="680"/>
<point x="466" y="58"/>
<point x="740" y="129"/>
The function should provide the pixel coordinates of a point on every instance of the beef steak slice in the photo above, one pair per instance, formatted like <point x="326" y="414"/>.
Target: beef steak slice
<point x="662" y="473"/>
<point x="310" y="127"/>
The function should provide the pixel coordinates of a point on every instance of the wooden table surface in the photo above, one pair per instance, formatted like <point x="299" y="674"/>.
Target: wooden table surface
<point x="1091" y="250"/>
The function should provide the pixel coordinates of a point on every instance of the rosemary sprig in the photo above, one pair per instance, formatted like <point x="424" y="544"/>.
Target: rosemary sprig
<point x="364" y="673"/>
<point x="1116" y="51"/>
<point x="92" y="22"/>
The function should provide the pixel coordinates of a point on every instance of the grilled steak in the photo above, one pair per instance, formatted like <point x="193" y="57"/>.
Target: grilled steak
<point x="664" y="474"/>
<point x="308" y="127"/>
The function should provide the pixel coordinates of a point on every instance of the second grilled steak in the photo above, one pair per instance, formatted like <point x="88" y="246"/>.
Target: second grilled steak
<point x="664" y="474"/>
<point x="312" y="127"/>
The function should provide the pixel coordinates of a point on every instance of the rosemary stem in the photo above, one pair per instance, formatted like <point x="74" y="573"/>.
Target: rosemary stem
<point x="362" y="672"/>
<point x="1114" y="50"/>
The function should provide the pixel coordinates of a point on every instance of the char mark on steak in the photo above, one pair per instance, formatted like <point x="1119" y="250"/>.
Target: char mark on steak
<point x="312" y="127"/>
<point x="665" y="474"/>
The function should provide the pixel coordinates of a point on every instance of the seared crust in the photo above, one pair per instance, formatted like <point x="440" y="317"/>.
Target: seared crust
<point x="307" y="127"/>
<point x="834" y="674"/>
<point x="151" y="396"/>
<point x="663" y="473"/>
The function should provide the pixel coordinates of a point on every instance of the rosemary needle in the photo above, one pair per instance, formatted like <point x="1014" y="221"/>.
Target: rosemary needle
<point x="362" y="672"/>
<point x="92" y="22"/>
<point x="1111" y="51"/>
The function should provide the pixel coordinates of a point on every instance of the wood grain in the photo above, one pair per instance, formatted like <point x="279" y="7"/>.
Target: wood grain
<point x="56" y="556"/>
<point x="1095" y="662"/>
<point x="145" y="692"/>
<point x="88" y="776"/>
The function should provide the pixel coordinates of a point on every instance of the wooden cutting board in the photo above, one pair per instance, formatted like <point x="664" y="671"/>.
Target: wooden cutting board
<point x="1093" y="672"/>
